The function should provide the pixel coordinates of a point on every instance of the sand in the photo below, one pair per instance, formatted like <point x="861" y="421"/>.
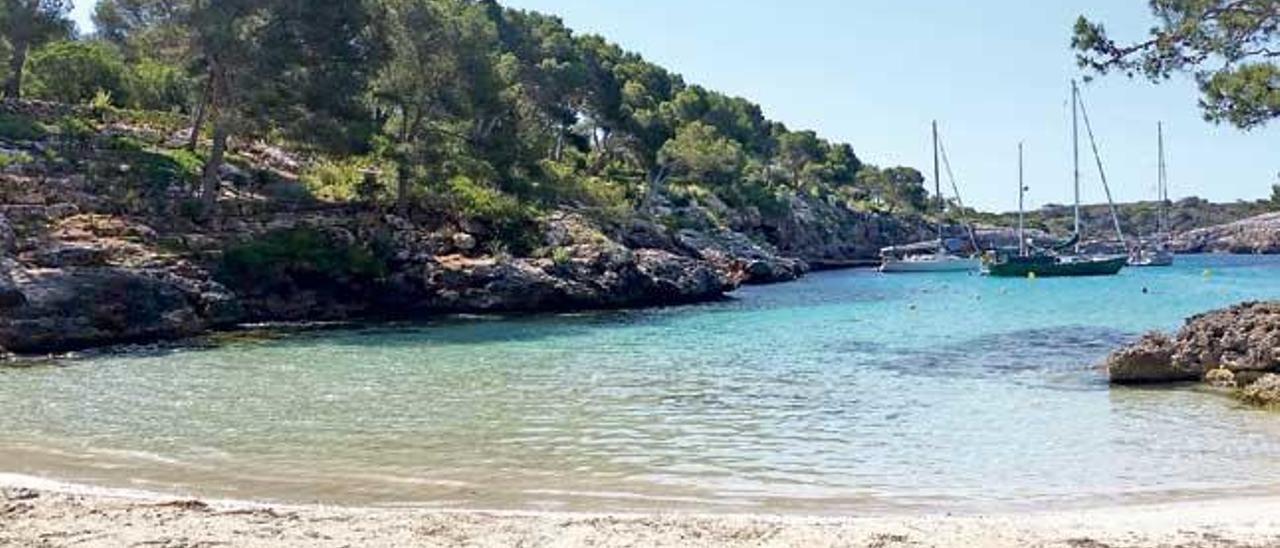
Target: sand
<point x="63" y="516"/>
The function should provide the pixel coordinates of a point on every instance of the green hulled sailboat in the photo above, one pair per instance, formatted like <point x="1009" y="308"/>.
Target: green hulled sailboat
<point x="1066" y="259"/>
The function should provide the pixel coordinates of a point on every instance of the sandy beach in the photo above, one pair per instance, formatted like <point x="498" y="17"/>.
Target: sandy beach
<point x="37" y="513"/>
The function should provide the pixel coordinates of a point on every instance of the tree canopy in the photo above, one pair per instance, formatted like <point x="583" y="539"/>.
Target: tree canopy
<point x="1230" y="46"/>
<point x="459" y="99"/>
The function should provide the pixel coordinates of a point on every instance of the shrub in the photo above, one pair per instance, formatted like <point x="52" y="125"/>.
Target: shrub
<point x="513" y="222"/>
<point x="75" y="72"/>
<point x="561" y="184"/>
<point x="297" y="254"/>
<point x="20" y="128"/>
<point x="157" y="86"/>
<point x="342" y="180"/>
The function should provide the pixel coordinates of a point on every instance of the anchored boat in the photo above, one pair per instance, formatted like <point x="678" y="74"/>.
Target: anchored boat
<point x="929" y="256"/>
<point x="1157" y="252"/>
<point x="1066" y="259"/>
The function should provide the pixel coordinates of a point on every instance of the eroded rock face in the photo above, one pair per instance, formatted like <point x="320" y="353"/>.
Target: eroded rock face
<point x="1259" y="234"/>
<point x="756" y="263"/>
<point x="1243" y="338"/>
<point x="1233" y="347"/>
<point x="1150" y="360"/>
<point x="609" y="279"/>
<point x="46" y="310"/>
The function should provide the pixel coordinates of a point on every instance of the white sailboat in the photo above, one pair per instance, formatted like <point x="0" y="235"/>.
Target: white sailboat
<point x="1157" y="252"/>
<point x="928" y="256"/>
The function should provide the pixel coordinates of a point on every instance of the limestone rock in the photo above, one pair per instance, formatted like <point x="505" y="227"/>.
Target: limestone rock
<point x="1150" y="360"/>
<point x="8" y="239"/>
<point x="66" y="309"/>
<point x="464" y="241"/>
<point x="1241" y="338"/>
<point x="1220" y="378"/>
<point x="1259" y="234"/>
<point x="1264" y="392"/>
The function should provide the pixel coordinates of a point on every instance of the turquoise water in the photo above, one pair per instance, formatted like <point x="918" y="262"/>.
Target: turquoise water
<point x="845" y="392"/>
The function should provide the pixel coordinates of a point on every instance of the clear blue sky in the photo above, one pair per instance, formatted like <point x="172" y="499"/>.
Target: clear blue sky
<point x="993" y="72"/>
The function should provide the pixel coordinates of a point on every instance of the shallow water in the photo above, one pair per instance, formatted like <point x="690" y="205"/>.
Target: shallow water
<point x="845" y="392"/>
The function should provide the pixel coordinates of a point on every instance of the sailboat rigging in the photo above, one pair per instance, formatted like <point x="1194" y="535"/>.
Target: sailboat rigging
<point x="1029" y="262"/>
<point x="1157" y="252"/>
<point x="930" y="256"/>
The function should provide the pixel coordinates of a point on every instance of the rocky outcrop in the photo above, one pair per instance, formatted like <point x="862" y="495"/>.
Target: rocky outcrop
<point x="1264" y="392"/>
<point x="1255" y="235"/>
<point x="831" y="235"/>
<point x="607" y="280"/>
<point x="1150" y="360"/>
<point x="1238" y="347"/>
<point x="1244" y="339"/>
<point x="56" y="309"/>
<point x="91" y="280"/>
<point x="734" y="252"/>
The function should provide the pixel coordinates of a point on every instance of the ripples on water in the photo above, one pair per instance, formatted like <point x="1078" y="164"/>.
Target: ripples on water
<point x="848" y="391"/>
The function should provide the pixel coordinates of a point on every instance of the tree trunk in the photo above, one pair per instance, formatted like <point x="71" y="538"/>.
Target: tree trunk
<point x="202" y="112"/>
<point x="657" y="178"/>
<point x="17" y="62"/>
<point x="402" y="185"/>
<point x="212" y="180"/>
<point x="559" y="145"/>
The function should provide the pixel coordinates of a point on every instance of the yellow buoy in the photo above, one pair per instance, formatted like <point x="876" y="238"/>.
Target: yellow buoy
<point x="1031" y="275"/>
<point x="1208" y="273"/>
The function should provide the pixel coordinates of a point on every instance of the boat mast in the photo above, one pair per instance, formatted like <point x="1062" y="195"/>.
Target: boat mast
<point x="1102" y="174"/>
<point x="1022" y="191"/>
<point x="1075" y="155"/>
<point x="937" y="188"/>
<point x="1162" y="184"/>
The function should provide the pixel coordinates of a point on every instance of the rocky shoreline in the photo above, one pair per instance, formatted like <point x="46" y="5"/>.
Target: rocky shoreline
<point x="86" y="261"/>
<point x="1258" y="235"/>
<point x="1235" y="349"/>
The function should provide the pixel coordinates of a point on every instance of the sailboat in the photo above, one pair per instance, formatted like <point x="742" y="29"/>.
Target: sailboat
<point x="928" y="256"/>
<point x="1058" y="262"/>
<point x="1157" y="252"/>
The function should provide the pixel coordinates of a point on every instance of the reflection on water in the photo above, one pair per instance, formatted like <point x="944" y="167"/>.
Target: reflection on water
<point x="848" y="391"/>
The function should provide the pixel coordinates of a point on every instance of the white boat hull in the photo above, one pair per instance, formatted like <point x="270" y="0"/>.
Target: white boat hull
<point x="931" y="264"/>
<point x="1152" y="258"/>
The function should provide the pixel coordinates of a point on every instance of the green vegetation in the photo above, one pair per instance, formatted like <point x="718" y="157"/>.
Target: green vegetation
<point x="1138" y="219"/>
<point x="1228" y="45"/>
<point x="20" y="128"/>
<point x="500" y="113"/>
<point x="77" y="72"/>
<point x="298" y="254"/>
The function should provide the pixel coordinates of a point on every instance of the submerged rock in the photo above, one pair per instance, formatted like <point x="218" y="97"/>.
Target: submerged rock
<point x="1150" y="360"/>
<point x="1264" y="392"/>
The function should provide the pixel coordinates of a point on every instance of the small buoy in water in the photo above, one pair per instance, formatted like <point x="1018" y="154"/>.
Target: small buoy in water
<point x="1145" y="291"/>
<point x="1208" y="273"/>
<point x="1031" y="275"/>
<point x="912" y="307"/>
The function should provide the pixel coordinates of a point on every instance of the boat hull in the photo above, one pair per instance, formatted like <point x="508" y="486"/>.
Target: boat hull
<point x="955" y="264"/>
<point x="1055" y="268"/>
<point x="1152" y="260"/>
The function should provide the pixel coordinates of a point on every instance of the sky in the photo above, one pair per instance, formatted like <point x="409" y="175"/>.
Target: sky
<point x="991" y="72"/>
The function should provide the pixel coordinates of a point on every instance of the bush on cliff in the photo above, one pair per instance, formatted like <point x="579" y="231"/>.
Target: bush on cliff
<point x="301" y="257"/>
<point x="74" y="72"/>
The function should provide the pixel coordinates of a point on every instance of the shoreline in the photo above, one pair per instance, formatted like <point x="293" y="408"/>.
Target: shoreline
<point x="51" y="513"/>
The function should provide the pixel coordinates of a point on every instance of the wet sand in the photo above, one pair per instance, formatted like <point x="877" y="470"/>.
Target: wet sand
<point x="61" y="516"/>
